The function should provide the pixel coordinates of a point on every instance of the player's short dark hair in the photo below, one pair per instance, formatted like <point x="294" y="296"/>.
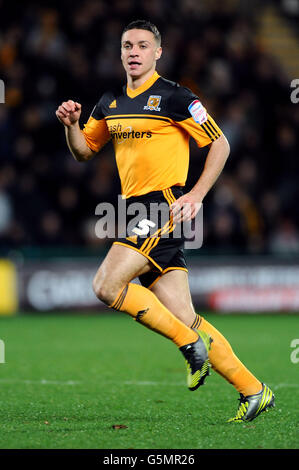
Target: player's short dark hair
<point x="144" y="24"/>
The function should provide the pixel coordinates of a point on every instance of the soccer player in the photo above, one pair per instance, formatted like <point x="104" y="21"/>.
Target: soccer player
<point x="150" y="121"/>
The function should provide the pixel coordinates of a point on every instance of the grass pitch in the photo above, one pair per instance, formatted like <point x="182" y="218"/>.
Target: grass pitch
<point x="105" y="382"/>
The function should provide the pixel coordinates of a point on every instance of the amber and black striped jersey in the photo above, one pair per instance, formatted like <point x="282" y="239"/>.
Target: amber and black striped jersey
<point x="150" y="128"/>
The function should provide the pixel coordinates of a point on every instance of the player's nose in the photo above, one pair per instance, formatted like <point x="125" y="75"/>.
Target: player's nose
<point x="134" y="52"/>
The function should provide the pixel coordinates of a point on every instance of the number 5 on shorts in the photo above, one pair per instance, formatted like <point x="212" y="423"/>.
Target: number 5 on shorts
<point x="143" y="227"/>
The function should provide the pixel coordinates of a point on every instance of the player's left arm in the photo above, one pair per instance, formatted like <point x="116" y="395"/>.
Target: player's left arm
<point x="190" y="115"/>
<point x="188" y="205"/>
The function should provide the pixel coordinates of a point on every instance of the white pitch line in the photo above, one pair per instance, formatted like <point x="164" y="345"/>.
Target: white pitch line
<point x="74" y="382"/>
<point x="284" y="385"/>
<point x="41" y="382"/>
<point x="140" y="383"/>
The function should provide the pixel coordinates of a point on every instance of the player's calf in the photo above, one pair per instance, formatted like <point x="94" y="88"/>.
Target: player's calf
<point x="144" y="307"/>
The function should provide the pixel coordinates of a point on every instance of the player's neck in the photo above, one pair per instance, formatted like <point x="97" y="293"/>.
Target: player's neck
<point x="136" y="82"/>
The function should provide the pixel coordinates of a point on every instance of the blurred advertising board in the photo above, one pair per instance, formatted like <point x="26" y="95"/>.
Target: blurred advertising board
<point x="8" y="288"/>
<point x="242" y="287"/>
<point x="226" y="285"/>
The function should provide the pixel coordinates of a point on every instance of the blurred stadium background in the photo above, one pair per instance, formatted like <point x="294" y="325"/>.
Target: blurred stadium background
<point x="239" y="57"/>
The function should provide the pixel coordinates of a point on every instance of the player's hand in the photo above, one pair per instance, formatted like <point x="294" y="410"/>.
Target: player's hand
<point x="185" y="208"/>
<point x="69" y="112"/>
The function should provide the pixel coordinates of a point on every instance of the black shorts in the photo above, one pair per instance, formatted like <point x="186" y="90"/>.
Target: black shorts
<point x="150" y="231"/>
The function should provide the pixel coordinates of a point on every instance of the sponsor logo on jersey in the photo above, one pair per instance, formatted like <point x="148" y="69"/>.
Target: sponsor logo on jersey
<point x="120" y="133"/>
<point x="153" y="103"/>
<point x="198" y="112"/>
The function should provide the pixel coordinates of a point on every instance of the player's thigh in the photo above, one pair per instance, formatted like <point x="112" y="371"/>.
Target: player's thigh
<point x="120" y="266"/>
<point x="172" y="289"/>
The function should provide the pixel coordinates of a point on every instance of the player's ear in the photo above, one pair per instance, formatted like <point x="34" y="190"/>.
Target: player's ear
<point x="158" y="52"/>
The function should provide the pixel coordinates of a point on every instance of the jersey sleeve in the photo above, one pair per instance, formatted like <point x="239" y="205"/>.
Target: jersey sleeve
<point x="189" y="113"/>
<point x="95" y="131"/>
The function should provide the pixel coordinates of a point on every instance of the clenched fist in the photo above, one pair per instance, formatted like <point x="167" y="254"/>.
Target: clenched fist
<point x="69" y="112"/>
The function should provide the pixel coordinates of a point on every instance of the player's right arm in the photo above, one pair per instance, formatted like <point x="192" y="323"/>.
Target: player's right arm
<point x="68" y="114"/>
<point x="86" y="143"/>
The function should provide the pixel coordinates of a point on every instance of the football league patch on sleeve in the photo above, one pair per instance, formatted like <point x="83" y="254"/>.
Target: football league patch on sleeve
<point x="198" y="112"/>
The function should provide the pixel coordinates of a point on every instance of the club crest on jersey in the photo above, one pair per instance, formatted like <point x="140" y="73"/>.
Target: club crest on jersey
<point x="153" y="103"/>
<point x="198" y="112"/>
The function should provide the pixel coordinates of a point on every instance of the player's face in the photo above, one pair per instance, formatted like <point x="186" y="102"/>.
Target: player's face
<point x="139" y="52"/>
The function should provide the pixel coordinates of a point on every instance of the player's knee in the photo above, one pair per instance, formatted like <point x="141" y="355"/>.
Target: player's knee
<point x="103" y="290"/>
